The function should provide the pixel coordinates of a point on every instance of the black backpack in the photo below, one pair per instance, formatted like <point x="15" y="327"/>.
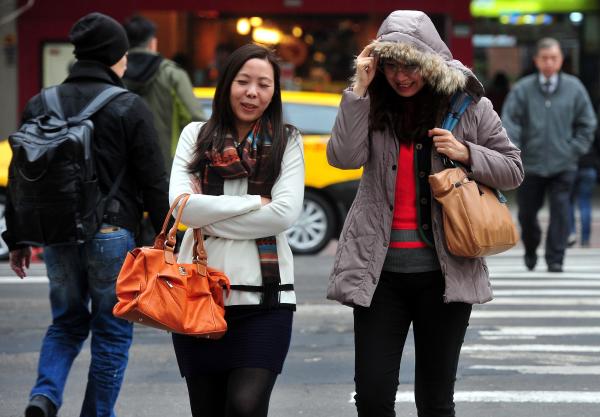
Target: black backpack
<point x="53" y="182"/>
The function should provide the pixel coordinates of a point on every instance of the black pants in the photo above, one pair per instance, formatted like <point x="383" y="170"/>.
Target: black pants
<point x="240" y="392"/>
<point x="530" y="197"/>
<point x="380" y="333"/>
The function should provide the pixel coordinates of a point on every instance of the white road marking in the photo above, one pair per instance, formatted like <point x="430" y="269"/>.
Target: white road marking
<point x="26" y="280"/>
<point x="535" y="314"/>
<point x="546" y="283"/>
<point x="542" y="369"/>
<point x="543" y="291"/>
<point x="541" y="331"/>
<point x="531" y="348"/>
<point x="481" y="313"/>
<point x="589" y="273"/>
<point x="574" y="301"/>
<point x="551" y="397"/>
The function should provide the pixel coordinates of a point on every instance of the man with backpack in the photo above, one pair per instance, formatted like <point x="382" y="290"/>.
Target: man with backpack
<point x="162" y="83"/>
<point x="104" y="160"/>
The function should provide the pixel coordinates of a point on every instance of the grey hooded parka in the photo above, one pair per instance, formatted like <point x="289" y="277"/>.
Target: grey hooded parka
<point x="410" y="36"/>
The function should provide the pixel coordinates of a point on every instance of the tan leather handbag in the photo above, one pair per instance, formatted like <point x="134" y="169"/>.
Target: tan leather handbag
<point x="477" y="221"/>
<point x="154" y="290"/>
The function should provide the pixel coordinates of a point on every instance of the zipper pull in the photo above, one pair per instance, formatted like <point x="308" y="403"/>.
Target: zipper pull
<point x="168" y="282"/>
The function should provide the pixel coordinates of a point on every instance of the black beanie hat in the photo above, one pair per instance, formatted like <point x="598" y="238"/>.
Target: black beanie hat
<point x="98" y="37"/>
<point x="139" y="30"/>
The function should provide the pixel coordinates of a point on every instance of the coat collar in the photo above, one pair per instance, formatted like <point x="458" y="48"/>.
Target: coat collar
<point x="93" y="71"/>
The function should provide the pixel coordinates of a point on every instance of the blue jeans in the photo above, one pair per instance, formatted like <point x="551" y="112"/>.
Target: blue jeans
<point x="82" y="296"/>
<point x="582" y="197"/>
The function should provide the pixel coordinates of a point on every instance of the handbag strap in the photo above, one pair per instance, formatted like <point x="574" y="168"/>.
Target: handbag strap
<point x="167" y="241"/>
<point x="458" y="104"/>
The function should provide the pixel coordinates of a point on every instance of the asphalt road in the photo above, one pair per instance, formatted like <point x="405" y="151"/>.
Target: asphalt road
<point x="533" y="351"/>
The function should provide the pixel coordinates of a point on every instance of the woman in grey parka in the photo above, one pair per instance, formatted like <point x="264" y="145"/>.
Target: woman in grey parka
<point x="392" y="264"/>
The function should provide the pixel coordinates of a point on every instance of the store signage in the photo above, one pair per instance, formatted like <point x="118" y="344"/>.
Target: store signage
<point x="496" y="8"/>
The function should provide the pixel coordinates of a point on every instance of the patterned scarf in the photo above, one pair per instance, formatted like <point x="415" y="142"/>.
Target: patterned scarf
<point x="249" y="160"/>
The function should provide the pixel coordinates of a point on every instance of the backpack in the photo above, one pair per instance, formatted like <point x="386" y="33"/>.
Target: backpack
<point x="53" y="181"/>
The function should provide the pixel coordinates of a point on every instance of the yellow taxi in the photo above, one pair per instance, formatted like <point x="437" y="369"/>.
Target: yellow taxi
<point x="329" y="191"/>
<point x="5" y="155"/>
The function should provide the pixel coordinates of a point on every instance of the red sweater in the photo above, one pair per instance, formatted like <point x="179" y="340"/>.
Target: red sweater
<point x="405" y="201"/>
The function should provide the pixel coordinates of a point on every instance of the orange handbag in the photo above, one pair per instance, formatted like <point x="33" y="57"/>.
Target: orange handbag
<point x="154" y="290"/>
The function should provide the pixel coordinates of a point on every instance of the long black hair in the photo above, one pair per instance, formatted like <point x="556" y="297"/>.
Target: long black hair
<point x="222" y="120"/>
<point x="408" y="118"/>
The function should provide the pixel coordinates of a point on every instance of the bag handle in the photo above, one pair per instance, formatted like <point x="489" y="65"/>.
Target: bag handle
<point x="167" y="242"/>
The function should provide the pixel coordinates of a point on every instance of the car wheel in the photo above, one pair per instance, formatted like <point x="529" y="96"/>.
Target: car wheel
<point x="3" y="248"/>
<point x="315" y="227"/>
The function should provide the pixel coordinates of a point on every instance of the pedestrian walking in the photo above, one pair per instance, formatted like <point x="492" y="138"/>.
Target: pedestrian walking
<point x="164" y="85"/>
<point x="83" y="274"/>
<point x="167" y="90"/>
<point x="549" y="115"/>
<point x="581" y="196"/>
<point x="245" y="170"/>
<point x="392" y="265"/>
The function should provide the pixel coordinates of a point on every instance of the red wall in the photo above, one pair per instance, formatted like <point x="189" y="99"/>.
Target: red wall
<point x="51" y="21"/>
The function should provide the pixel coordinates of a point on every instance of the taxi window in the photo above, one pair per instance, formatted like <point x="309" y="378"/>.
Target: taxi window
<point x="310" y="119"/>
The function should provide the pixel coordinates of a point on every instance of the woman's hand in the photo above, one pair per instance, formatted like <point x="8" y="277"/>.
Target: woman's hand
<point x="366" y="65"/>
<point x="446" y="144"/>
<point x="264" y="200"/>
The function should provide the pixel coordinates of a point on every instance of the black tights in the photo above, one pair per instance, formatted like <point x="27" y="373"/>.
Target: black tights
<point x="241" y="392"/>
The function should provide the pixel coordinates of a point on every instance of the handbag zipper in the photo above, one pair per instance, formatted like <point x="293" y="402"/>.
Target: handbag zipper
<point x="166" y="281"/>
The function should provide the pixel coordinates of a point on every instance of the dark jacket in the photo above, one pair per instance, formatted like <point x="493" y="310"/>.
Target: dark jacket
<point x="552" y="130"/>
<point x="123" y="136"/>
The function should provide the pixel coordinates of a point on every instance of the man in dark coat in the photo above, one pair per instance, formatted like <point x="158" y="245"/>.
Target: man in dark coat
<point x="83" y="275"/>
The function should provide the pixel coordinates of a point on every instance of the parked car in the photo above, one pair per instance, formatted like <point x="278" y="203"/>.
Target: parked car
<point x="328" y="193"/>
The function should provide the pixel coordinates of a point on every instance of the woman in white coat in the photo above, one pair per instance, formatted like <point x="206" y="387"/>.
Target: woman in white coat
<point x="245" y="170"/>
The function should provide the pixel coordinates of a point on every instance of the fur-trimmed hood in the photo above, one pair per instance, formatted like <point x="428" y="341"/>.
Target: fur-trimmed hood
<point x="410" y="37"/>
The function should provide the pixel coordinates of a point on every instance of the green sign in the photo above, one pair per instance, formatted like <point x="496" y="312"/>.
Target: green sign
<point x="495" y="8"/>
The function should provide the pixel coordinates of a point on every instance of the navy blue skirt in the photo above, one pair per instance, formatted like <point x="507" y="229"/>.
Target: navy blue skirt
<point x="254" y="339"/>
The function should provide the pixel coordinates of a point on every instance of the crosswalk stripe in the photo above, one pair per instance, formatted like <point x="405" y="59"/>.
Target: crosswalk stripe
<point x="549" y="397"/>
<point x="545" y="291"/>
<point x="537" y="301"/>
<point x="546" y="283"/>
<point x="541" y="331"/>
<point x="531" y="348"/>
<point x="484" y="312"/>
<point x="543" y="369"/>
<point x="592" y="274"/>
<point x="535" y="314"/>
<point x="26" y="280"/>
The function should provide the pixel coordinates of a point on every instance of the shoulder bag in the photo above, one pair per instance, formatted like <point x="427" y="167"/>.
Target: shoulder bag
<point x="477" y="221"/>
<point x="154" y="290"/>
